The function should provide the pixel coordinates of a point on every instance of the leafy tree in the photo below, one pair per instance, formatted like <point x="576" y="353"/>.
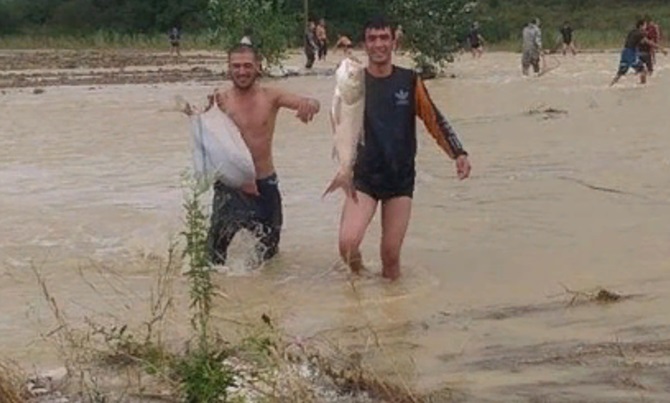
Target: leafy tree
<point x="432" y="28"/>
<point x="272" y="25"/>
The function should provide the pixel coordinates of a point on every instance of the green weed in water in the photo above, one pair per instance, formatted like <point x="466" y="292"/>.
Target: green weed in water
<point x="202" y="372"/>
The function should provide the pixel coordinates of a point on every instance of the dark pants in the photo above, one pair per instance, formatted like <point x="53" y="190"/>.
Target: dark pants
<point x="309" y="52"/>
<point x="323" y="49"/>
<point x="233" y="210"/>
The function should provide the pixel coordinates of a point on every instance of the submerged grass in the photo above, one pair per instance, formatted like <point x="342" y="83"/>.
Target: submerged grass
<point x="11" y="384"/>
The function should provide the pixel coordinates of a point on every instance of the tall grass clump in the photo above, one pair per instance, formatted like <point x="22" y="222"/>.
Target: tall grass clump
<point x="11" y="385"/>
<point x="203" y="375"/>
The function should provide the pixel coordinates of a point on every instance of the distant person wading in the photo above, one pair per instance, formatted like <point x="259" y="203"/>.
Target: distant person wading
<point x="568" y="39"/>
<point x="174" y="37"/>
<point x="531" y="47"/>
<point x="322" y="39"/>
<point x="476" y="41"/>
<point x="311" y="45"/>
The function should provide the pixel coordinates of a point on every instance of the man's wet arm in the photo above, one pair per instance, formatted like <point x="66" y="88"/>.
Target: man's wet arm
<point x="436" y="124"/>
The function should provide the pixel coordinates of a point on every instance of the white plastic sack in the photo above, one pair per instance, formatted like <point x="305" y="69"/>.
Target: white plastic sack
<point x="219" y="151"/>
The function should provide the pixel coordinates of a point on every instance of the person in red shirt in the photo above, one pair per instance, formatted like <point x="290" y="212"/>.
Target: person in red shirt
<point x="654" y="35"/>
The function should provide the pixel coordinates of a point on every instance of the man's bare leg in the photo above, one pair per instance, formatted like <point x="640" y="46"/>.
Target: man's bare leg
<point x="356" y="217"/>
<point x="615" y="79"/>
<point x="396" y="213"/>
<point x="643" y="76"/>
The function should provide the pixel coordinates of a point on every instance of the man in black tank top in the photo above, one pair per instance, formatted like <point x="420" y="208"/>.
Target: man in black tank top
<point x="384" y="170"/>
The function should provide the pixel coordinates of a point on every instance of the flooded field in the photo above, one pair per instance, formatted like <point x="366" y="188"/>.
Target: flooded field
<point x="569" y="192"/>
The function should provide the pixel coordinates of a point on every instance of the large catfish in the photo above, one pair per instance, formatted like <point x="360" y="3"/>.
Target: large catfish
<point x="346" y="116"/>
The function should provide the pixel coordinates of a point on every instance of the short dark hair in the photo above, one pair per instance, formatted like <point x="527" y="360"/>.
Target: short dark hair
<point x="647" y="18"/>
<point x="640" y="23"/>
<point x="379" y="21"/>
<point x="243" y="47"/>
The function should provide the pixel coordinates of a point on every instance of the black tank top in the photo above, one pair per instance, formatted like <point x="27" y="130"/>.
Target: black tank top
<point x="389" y="148"/>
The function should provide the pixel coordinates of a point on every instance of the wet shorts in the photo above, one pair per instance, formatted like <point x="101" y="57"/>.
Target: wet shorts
<point x="233" y="210"/>
<point x="647" y="61"/>
<point x="630" y="58"/>
<point x="381" y="187"/>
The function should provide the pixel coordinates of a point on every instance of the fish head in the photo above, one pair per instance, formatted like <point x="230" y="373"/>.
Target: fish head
<point x="350" y="80"/>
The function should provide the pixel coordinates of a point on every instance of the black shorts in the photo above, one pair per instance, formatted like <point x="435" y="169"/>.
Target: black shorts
<point x="385" y="186"/>
<point x="647" y="60"/>
<point x="233" y="210"/>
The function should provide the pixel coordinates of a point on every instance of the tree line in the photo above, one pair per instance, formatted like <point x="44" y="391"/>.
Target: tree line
<point x="432" y="27"/>
<point x="502" y="18"/>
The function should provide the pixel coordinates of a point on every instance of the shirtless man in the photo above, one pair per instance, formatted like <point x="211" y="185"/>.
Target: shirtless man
<point x="254" y="110"/>
<point x="322" y="39"/>
<point x="384" y="171"/>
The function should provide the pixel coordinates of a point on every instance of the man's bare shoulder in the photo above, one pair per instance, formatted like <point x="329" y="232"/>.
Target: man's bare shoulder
<point x="222" y="92"/>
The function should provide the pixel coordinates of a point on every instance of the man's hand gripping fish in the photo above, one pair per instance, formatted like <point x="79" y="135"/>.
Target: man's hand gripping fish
<point x="346" y="117"/>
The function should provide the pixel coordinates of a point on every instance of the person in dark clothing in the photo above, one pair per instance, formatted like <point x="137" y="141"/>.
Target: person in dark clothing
<point x="311" y="46"/>
<point x="384" y="170"/>
<point x="630" y="55"/>
<point x="476" y="41"/>
<point x="175" y="38"/>
<point x="568" y="40"/>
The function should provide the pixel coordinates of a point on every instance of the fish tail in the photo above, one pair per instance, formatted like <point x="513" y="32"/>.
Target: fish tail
<point x="344" y="181"/>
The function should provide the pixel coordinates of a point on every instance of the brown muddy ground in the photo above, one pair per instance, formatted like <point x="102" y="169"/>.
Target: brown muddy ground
<point x="570" y="189"/>
<point x="41" y="68"/>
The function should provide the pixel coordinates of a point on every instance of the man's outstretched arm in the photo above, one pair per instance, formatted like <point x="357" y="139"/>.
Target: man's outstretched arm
<point x="440" y="129"/>
<point x="305" y="107"/>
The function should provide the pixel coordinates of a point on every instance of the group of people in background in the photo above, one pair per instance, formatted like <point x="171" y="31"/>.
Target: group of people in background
<point x="639" y="51"/>
<point x="316" y="42"/>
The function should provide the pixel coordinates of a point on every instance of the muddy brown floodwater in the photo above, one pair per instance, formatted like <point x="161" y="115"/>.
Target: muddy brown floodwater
<point x="570" y="188"/>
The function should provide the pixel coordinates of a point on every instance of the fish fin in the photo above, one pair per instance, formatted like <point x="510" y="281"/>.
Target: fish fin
<point x="337" y="110"/>
<point x="333" y="153"/>
<point x="331" y="115"/>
